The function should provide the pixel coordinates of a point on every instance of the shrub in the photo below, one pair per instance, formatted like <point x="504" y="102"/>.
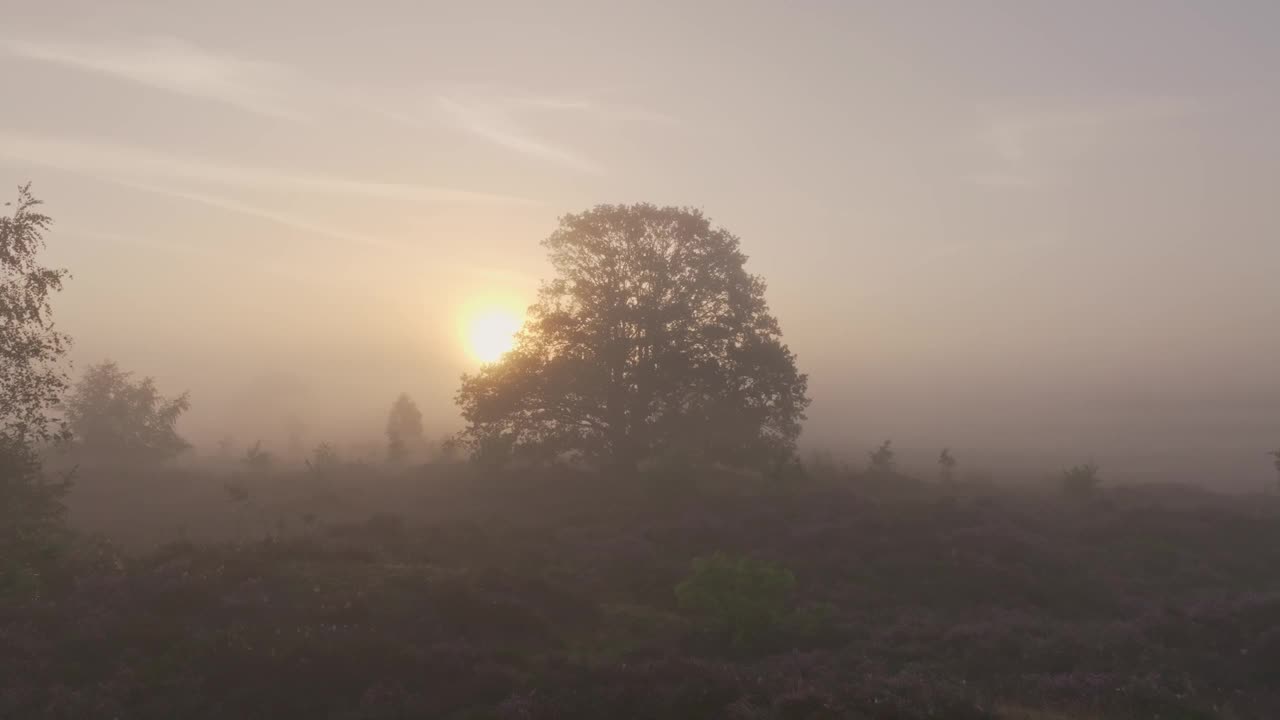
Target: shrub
<point x="738" y="597"/>
<point x="1081" y="481"/>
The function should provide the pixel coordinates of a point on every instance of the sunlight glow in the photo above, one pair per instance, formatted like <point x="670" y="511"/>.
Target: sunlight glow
<point x="490" y="333"/>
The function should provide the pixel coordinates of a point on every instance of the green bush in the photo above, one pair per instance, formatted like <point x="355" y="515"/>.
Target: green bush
<point x="738" y="597"/>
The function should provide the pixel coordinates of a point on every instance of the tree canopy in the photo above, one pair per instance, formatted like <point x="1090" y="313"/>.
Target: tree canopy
<point x="652" y="338"/>
<point x="32" y="374"/>
<point x="32" y="380"/>
<point x="114" y="417"/>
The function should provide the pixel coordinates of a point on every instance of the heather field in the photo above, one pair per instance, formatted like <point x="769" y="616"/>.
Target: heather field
<point x="447" y="592"/>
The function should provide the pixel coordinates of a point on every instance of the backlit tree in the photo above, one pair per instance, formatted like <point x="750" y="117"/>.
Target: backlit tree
<point x="652" y="338"/>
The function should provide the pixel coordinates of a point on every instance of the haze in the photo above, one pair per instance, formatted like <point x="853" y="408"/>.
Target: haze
<point x="1019" y="229"/>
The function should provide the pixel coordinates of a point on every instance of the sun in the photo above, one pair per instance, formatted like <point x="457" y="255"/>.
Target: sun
<point x="491" y="332"/>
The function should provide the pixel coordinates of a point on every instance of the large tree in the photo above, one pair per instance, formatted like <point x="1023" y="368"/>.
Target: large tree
<point x="651" y="339"/>
<point x="116" y="418"/>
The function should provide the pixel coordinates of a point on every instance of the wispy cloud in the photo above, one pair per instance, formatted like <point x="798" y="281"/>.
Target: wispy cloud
<point x="603" y="110"/>
<point x="173" y="66"/>
<point x="503" y="119"/>
<point x="300" y="223"/>
<point x="497" y="124"/>
<point x="140" y="240"/>
<point x="289" y="220"/>
<point x="122" y="162"/>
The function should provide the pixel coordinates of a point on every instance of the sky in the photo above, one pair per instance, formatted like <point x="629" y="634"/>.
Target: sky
<point x="1020" y="225"/>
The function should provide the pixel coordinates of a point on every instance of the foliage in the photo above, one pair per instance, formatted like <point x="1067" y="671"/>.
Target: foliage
<point x="738" y="597"/>
<point x="947" y="465"/>
<point x="32" y="381"/>
<point x="1275" y="454"/>
<point x="1081" y="481"/>
<point x="115" y="418"/>
<point x="881" y="460"/>
<point x="32" y="533"/>
<point x="448" y="450"/>
<point x="404" y="429"/>
<point x="652" y="336"/>
<point x="32" y="376"/>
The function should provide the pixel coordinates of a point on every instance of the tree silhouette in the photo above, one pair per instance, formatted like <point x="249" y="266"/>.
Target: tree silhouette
<point x="651" y="337"/>
<point x="1081" y="481"/>
<point x="881" y="460"/>
<point x="1275" y="454"/>
<point x="947" y="465"/>
<point x="324" y="457"/>
<point x="404" y="428"/>
<point x="114" y="417"/>
<point x="257" y="459"/>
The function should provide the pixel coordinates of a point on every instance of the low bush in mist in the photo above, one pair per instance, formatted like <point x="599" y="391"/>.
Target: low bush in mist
<point x="1081" y="481"/>
<point x="738" y="598"/>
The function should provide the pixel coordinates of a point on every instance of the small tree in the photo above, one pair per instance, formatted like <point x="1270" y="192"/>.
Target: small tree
<point x="114" y="417"/>
<point x="1081" y="481"/>
<point x="404" y="429"/>
<point x="947" y="465"/>
<point x="324" y="458"/>
<point x="882" y="461"/>
<point x="1275" y="455"/>
<point x="257" y="459"/>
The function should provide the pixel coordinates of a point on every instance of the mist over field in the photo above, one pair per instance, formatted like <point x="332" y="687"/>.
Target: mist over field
<point x="669" y="359"/>
<point x="1043" y="232"/>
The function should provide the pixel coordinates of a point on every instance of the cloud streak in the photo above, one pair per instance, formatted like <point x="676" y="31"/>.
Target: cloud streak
<point x="280" y="218"/>
<point x="173" y="66"/>
<point x="294" y="222"/>
<point x="119" y="162"/>
<point x="502" y="119"/>
<point x="592" y="107"/>
<point x="497" y="124"/>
